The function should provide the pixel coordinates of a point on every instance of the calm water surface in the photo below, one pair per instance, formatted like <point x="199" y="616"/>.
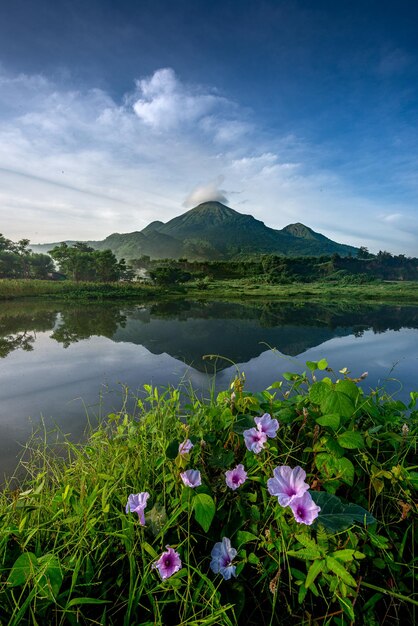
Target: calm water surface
<point x="64" y="361"/>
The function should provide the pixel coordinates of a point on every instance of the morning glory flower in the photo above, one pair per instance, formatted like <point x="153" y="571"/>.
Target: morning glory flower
<point x="287" y="484"/>
<point x="222" y="555"/>
<point x="185" y="447"/>
<point x="304" y="509"/>
<point x="137" y="503"/>
<point x="236" y="477"/>
<point x="191" y="478"/>
<point x="254" y="439"/>
<point x="267" y="425"/>
<point x="168" y="564"/>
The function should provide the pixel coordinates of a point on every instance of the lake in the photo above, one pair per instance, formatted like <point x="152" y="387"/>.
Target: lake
<point x="64" y="361"/>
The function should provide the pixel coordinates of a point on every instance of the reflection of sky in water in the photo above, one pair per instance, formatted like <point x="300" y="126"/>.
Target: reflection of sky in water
<point x="60" y="384"/>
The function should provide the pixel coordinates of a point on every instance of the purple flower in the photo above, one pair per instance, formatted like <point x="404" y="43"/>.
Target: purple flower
<point x="304" y="509"/>
<point x="236" y="477"/>
<point x="168" y="564"/>
<point x="137" y="503"/>
<point x="287" y="484"/>
<point x="185" y="447"/>
<point x="222" y="555"/>
<point x="254" y="439"/>
<point x="191" y="478"/>
<point x="267" y="425"/>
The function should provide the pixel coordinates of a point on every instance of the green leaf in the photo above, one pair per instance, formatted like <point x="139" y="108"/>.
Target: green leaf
<point x="172" y="449"/>
<point x="347" y="555"/>
<point x="148" y="548"/>
<point x="83" y="600"/>
<point x="331" y="420"/>
<point x="349" y="388"/>
<point x="351" y="439"/>
<point x="336" y="467"/>
<point x="306" y="541"/>
<point x="221" y="458"/>
<point x="244" y="537"/>
<point x="242" y="423"/>
<point x="312" y="365"/>
<point x="204" y="510"/>
<point x="306" y="554"/>
<point x="347" y="607"/>
<point x="23" y="569"/>
<point x="50" y="582"/>
<point x="319" y="392"/>
<point x="322" y="364"/>
<point x="337" y="516"/>
<point x="315" y="569"/>
<point x="333" y="447"/>
<point x="345" y="470"/>
<point x="337" y="402"/>
<point x="338" y="569"/>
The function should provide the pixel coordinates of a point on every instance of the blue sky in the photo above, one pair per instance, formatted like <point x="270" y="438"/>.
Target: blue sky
<point x="116" y="113"/>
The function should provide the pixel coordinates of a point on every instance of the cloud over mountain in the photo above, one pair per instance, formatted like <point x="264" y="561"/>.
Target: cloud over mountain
<point x="206" y="193"/>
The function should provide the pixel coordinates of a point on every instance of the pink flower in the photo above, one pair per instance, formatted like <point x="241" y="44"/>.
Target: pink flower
<point x="168" y="564"/>
<point x="236" y="477"/>
<point x="254" y="439"/>
<point x="304" y="509"/>
<point x="185" y="447"/>
<point x="287" y="484"/>
<point x="137" y="503"/>
<point x="191" y="478"/>
<point x="267" y="425"/>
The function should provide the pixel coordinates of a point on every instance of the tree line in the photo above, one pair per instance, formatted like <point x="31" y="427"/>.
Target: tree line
<point x="78" y="262"/>
<point x="278" y="269"/>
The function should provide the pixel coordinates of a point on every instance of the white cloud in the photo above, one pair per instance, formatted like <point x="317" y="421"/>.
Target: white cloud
<point x="76" y="164"/>
<point x="164" y="103"/>
<point x="205" y="193"/>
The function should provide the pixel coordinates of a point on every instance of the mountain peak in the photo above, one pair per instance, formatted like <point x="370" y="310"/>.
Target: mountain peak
<point x="213" y="210"/>
<point x="300" y="230"/>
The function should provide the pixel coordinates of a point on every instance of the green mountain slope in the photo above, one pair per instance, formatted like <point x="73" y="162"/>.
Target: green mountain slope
<point x="213" y="231"/>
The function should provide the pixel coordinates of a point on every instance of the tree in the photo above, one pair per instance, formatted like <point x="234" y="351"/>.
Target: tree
<point x="81" y="262"/>
<point x="363" y="253"/>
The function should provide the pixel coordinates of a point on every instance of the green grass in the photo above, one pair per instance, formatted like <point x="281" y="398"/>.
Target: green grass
<point x="70" y="554"/>
<point x="20" y="288"/>
<point x="383" y="291"/>
<point x="221" y="290"/>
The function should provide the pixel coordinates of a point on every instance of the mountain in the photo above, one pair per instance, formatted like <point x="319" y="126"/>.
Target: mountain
<point x="213" y="231"/>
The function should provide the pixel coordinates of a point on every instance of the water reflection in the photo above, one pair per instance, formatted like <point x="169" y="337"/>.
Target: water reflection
<point x="62" y="360"/>
<point x="189" y="330"/>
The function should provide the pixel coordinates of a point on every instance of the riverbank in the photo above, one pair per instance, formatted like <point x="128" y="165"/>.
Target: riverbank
<point x="78" y="549"/>
<point x="230" y="290"/>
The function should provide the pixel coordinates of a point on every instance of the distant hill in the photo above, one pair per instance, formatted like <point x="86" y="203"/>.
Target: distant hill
<point x="213" y="231"/>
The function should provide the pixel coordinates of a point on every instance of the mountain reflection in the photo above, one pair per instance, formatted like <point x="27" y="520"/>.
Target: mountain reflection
<point x="189" y="330"/>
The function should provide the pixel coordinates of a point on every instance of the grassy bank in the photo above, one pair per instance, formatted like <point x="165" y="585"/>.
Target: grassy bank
<point x="237" y="289"/>
<point x="393" y="292"/>
<point x="72" y="554"/>
<point x="11" y="289"/>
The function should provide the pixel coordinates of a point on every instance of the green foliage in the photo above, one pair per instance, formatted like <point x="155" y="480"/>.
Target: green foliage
<point x="18" y="261"/>
<point x="71" y="554"/>
<point x="80" y="262"/>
